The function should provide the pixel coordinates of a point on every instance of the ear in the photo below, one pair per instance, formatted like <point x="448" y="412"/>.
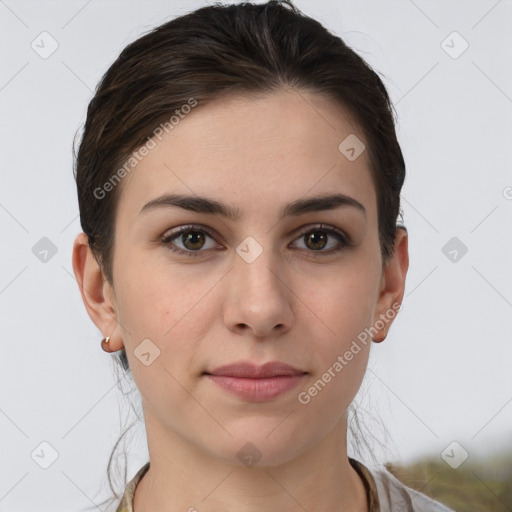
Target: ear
<point x="97" y="293"/>
<point x="392" y="285"/>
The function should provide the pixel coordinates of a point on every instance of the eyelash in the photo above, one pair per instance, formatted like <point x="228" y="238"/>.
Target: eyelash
<point x="191" y="228"/>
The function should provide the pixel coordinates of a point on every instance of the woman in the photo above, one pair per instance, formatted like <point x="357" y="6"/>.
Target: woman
<point x="239" y="185"/>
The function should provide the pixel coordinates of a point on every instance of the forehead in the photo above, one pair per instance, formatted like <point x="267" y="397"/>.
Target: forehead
<point x="254" y="151"/>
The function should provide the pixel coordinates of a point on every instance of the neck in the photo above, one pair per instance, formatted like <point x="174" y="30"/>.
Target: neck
<point x="183" y="476"/>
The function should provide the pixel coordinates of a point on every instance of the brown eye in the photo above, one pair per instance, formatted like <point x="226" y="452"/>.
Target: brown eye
<point x="317" y="238"/>
<point x="191" y="238"/>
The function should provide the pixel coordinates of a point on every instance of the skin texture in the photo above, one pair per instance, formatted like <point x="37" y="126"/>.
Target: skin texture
<point x="292" y="303"/>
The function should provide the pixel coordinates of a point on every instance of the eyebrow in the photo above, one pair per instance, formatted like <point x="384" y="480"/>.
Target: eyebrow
<point x="212" y="207"/>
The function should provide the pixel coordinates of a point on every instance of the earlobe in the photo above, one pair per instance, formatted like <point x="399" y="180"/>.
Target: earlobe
<point x="392" y="286"/>
<point x="94" y="289"/>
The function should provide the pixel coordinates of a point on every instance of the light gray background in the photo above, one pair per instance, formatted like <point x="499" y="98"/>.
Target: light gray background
<point x="442" y="375"/>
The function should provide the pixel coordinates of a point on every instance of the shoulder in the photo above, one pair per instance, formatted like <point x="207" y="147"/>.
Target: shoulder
<point x="392" y="493"/>
<point x="126" y="503"/>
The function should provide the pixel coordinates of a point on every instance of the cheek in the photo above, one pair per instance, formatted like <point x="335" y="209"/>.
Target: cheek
<point x="340" y="365"/>
<point x="170" y="306"/>
<point x="342" y="303"/>
<point x="340" y="311"/>
<point x="341" y="353"/>
<point x="174" y="315"/>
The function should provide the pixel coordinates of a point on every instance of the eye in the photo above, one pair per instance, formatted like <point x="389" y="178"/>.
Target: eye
<point x="192" y="237"/>
<point x="316" y="239"/>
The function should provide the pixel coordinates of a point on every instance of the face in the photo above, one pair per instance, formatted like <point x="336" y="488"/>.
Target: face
<point x="261" y="286"/>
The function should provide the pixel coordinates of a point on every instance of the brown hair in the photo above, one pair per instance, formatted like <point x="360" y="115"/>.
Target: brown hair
<point x="217" y="50"/>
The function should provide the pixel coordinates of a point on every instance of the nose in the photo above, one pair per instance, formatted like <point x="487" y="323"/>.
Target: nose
<point x="258" y="297"/>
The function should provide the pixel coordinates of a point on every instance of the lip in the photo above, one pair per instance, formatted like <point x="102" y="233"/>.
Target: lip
<point x="247" y="369"/>
<point x="257" y="383"/>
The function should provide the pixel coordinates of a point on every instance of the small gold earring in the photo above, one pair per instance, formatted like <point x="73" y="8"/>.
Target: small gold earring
<point x="106" y="340"/>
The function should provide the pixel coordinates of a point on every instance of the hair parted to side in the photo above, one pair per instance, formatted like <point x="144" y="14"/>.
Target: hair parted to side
<point x="213" y="51"/>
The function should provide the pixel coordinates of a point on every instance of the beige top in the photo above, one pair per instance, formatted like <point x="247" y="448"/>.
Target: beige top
<point x="385" y="493"/>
